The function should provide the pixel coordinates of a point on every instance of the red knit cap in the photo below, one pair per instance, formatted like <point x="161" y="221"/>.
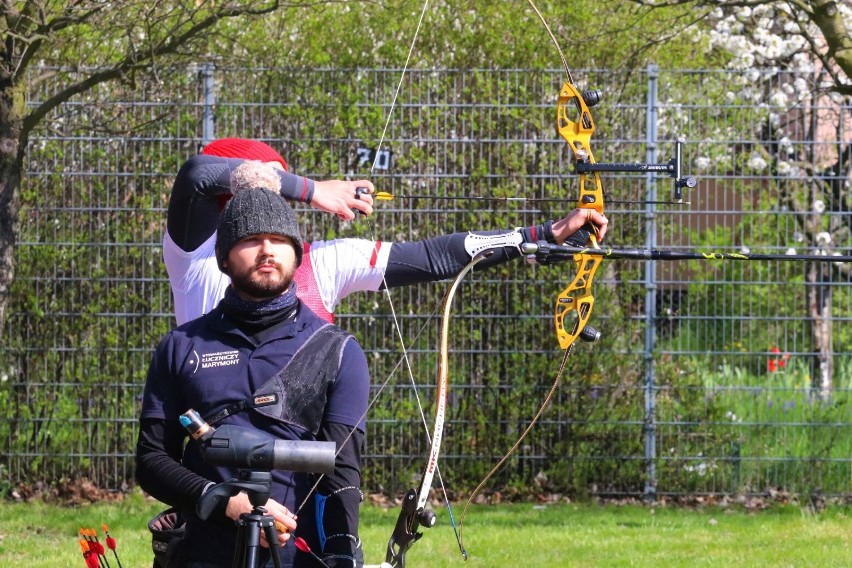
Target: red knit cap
<point x="243" y="148"/>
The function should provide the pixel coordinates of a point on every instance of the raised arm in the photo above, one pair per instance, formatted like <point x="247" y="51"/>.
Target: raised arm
<point x="204" y="184"/>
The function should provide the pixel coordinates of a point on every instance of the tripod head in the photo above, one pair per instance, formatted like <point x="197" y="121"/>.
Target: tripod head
<point x="256" y="484"/>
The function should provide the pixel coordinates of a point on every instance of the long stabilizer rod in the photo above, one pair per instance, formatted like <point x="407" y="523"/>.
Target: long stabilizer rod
<point x="545" y="253"/>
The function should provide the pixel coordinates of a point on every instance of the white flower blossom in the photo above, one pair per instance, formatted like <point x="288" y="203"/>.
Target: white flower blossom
<point x="791" y="251"/>
<point x="819" y="206"/>
<point x="778" y="99"/>
<point x="756" y="162"/>
<point x="702" y="163"/>
<point x="823" y="238"/>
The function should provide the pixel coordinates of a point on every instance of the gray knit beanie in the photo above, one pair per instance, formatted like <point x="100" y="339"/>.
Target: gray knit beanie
<point x="254" y="212"/>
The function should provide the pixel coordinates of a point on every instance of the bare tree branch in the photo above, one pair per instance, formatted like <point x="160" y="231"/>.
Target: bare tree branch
<point x="181" y="34"/>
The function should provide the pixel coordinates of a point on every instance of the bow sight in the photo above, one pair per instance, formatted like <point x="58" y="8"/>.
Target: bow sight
<point x="583" y="164"/>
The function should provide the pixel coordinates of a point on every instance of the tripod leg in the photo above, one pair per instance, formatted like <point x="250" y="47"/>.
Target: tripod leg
<point x="272" y="539"/>
<point x="252" y="546"/>
<point x="247" y="543"/>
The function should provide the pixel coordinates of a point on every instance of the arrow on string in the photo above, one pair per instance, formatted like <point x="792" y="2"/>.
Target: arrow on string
<point x="387" y="196"/>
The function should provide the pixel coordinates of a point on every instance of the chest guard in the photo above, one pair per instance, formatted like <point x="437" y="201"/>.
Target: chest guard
<point x="307" y="288"/>
<point x="298" y="393"/>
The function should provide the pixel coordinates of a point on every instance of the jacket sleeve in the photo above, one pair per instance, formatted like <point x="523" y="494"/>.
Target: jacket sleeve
<point x="158" y="468"/>
<point x="330" y="525"/>
<point x="161" y="442"/>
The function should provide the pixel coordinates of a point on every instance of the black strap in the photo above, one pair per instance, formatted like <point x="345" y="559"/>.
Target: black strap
<point x="237" y="407"/>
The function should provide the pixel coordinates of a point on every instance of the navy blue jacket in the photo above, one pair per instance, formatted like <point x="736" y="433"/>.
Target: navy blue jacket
<point x="208" y="363"/>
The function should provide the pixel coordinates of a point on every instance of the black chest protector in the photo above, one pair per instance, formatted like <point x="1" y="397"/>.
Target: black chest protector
<point x="298" y="393"/>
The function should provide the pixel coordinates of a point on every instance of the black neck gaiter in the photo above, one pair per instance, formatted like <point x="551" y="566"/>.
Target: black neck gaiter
<point x="254" y="317"/>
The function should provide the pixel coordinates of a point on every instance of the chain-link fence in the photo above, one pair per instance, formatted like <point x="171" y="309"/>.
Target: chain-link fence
<point x="711" y="377"/>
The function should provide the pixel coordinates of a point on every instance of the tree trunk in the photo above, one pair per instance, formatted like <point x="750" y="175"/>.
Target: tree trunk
<point x="819" y="308"/>
<point x="12" y="108"/>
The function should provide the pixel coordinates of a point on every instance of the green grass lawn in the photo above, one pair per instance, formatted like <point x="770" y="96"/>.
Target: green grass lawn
<point x="36" y="535"/>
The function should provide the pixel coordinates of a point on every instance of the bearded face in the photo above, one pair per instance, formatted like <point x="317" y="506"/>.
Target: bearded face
<point x="261" y="266"/>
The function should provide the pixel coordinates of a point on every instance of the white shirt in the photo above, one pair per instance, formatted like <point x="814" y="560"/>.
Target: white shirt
<point x="340" y="267"/>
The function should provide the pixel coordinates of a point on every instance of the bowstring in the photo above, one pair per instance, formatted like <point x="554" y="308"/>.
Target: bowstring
<point x="405" y="358"/>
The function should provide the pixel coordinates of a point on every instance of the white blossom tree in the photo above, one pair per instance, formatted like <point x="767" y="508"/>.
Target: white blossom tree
<point x="794" y="61"/>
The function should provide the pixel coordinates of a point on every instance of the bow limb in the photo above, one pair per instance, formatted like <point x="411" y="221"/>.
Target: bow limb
<point x="413" y="513"/>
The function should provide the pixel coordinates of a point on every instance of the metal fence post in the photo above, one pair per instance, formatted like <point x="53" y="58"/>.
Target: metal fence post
<point x="650" y="492"/>
<point x="208" y="132"/>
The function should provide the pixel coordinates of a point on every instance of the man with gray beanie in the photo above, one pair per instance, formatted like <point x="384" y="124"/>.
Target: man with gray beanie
<point x="258" y="360"/>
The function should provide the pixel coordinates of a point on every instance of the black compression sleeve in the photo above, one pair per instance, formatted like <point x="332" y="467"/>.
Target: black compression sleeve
<point x="437" y="259"/>
<point x="158" y="469"/>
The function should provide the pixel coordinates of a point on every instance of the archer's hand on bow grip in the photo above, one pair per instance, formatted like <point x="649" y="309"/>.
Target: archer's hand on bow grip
<point x="580" y="238"/>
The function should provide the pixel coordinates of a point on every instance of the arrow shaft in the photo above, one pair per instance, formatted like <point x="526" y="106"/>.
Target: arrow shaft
<point x="381" y="196"/>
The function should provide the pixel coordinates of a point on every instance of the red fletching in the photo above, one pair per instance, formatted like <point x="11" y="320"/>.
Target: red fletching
<point x="90" y="558"/>
<point x="111" y="544"/>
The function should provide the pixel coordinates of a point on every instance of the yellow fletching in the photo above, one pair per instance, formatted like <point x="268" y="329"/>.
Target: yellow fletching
<point x="383" y="196"/>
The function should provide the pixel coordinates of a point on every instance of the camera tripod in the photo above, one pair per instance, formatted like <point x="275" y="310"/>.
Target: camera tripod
<point x="256" y="485"/>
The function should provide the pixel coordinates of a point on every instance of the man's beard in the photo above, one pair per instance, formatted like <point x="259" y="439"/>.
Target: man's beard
<point x="262" y="286"/>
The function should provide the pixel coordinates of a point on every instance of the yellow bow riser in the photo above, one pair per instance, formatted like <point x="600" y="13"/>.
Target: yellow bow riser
<point x="574" y="304"/>
<point x="578" y="133"/>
